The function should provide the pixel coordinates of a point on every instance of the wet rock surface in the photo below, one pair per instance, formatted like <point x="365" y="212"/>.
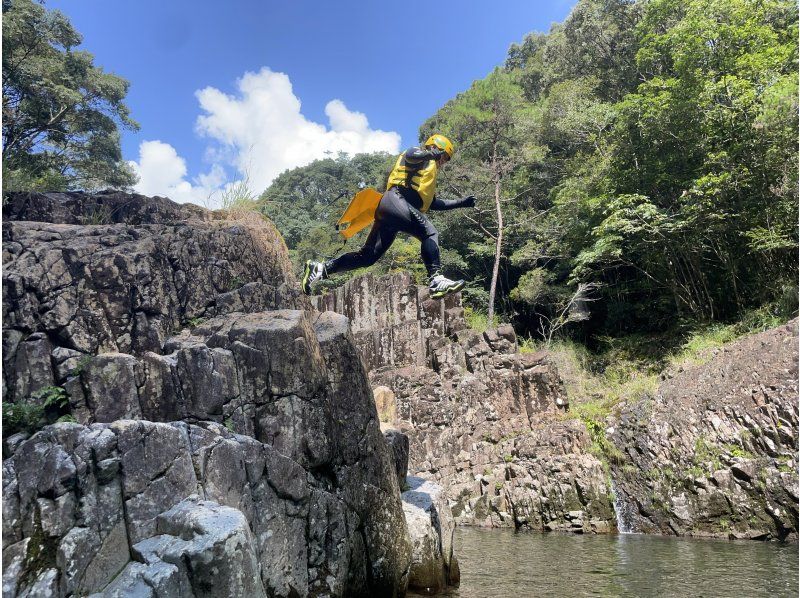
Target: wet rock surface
<point x="714" y="453"/>
<point x="226" y="443"/>
<point x="483" y="420"/>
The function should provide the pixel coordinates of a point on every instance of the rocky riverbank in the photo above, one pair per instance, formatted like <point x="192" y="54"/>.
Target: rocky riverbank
<point x="486" y="422"/>
<point x="206" y="413"/>
<point x="712" y="453"/>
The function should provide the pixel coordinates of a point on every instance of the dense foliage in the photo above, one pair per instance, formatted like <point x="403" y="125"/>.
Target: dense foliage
<point x="686" y="187"/>
<point x="61" y="113"/>
<point x="636" y="168"/>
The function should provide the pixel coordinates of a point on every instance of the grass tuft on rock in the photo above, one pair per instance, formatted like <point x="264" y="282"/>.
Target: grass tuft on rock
<point x="46" y="406"/>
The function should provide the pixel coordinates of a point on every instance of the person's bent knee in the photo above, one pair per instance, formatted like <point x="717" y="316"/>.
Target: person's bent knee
<point x="369" y="257"/>
<point x="431" y="238"/>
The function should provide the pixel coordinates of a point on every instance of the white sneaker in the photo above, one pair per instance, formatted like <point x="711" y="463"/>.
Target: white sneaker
<point x="441" y="286"/>
<point x="313" y="272"/>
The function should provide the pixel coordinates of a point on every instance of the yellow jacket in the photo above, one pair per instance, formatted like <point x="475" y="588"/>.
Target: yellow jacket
<point x="416" y="169"/>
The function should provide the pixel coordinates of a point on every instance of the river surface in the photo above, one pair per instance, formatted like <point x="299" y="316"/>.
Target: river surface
<point x="519" y="564"/>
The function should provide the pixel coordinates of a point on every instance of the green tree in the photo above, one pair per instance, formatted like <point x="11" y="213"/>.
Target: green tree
<point x="61" y="113"/>
<point x="597" y="41"/>
<point x="713" y="220"/>
<point x="484" y="123"/>
<point x="674" y="189"/>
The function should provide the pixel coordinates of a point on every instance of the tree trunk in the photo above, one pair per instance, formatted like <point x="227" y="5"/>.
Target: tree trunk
<point x="497" y="250"/>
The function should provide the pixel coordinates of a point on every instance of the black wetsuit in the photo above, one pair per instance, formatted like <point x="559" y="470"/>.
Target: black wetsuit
<point x="399" y="212"/>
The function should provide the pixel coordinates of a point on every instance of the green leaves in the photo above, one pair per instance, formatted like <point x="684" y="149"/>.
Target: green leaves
<point x="46" y="406"/>
<point x="531" y="287"/>
<point x="54" y="397"/>
<point x="61" y="113"/>
<point x="678" y="194"/>
<point x="769" y="239"/>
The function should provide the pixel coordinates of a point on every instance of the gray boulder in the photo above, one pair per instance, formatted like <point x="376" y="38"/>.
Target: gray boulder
<point x="119" y="288"/>
<point x="430" y="527"/>
<point x="211" y="547"/>
<point x="88" y="493"/>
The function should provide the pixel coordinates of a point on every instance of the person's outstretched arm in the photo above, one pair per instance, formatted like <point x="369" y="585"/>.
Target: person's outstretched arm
<point x="452" y="204"/>
<point x="419" y="155"/>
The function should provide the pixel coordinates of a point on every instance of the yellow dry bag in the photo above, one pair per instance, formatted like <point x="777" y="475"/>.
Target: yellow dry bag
<point x="359" y="213"/>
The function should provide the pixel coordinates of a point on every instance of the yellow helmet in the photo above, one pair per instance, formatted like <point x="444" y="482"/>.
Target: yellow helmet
<point x="443" y="143"/>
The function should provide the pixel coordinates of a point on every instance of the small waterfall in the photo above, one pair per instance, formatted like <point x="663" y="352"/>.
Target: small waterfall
<point x="623" y="511"/>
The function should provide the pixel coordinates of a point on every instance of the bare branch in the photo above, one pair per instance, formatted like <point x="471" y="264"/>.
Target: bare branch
<point x="486" y="232"/>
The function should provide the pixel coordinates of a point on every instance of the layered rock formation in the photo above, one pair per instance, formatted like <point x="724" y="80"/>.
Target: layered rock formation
<point x="85" y="506"/>
<point x="226" y="441"/>
<point x="88" y="289"/>
<point x="484" y="421"/>
<point x="714" y="453"/>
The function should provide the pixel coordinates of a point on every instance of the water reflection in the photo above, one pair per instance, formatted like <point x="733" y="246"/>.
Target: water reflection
<point x="506" y="563"/>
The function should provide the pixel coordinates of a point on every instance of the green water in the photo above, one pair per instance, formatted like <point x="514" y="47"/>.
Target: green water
<point x="519" y="564"/>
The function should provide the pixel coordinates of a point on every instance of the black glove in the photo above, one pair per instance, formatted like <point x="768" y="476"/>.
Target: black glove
<point x="468" y="201"/>
<point x="436" y="153"/>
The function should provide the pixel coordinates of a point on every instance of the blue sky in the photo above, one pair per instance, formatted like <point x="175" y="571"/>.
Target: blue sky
<point x="229" y="87"/>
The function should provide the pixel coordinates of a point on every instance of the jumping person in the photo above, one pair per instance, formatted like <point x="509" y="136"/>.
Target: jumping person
<point x="410" y="193"/>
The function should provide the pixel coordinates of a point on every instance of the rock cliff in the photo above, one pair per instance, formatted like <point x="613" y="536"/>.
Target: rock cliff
<point x="484" y="421"/>
<point x="225" y="440"/>
<point x="714" y="452"/>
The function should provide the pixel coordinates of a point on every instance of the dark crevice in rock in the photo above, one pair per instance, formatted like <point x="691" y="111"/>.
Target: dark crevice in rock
<point x="325" y="475"/>
<point x="41" y="553"/>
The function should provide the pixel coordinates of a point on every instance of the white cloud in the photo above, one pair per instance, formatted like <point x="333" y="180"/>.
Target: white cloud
<point x="264" y="127"/>
<point x="162" y="172"/>
<point x="159" y="167"/>
<point x="261" y="132"/>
